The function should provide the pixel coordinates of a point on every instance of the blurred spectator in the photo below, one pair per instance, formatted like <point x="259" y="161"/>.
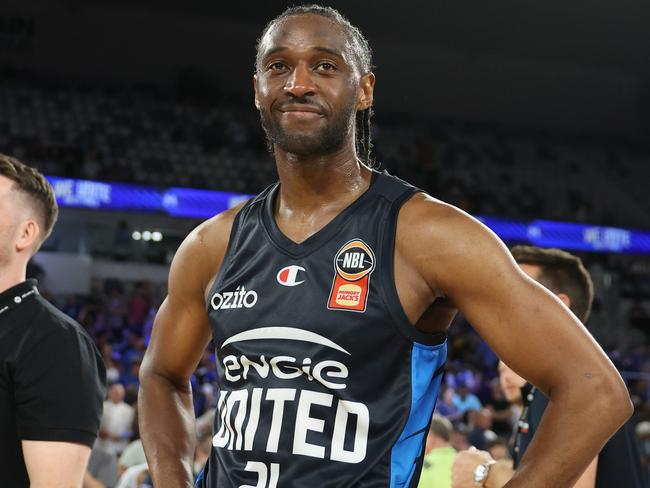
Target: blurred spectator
<point x="480" y="434"/>
<point x="112" y="367"/>
<point x="446" y="406"/>
<point x="115" y="312"/>
<point x="439" y="455"/>
<point x="499" y="449"/>
<point x="130" y="378"/>
<point x="102" y="469"/>
<point x="117" y="421"/>
<point x="465" y="401"/>
<point x="138" y="307"/>
<point x="458" y="438"/>
<point x="503" y="418"/>
<point x="133" y="453"/>
<point x="135" y="477"/>
<point x="71" y="307"/>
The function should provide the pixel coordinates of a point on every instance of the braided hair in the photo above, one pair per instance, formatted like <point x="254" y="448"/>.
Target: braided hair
<point x="363" y="55"/>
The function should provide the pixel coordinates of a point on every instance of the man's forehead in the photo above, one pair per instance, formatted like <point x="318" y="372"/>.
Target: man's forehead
<point x="305" y="31"/>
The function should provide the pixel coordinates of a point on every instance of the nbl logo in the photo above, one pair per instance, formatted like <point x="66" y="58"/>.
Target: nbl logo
<point x="354" y="261"/>
<point x="353" y="264"/>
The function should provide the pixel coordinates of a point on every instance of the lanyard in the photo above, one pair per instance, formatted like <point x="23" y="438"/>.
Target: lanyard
<point x="523" y="427"/>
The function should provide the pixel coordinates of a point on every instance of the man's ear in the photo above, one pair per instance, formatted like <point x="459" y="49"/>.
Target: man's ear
<point x="257" y="102"/>
<point x="366" y="91"/>
<point x="28" y="234"/>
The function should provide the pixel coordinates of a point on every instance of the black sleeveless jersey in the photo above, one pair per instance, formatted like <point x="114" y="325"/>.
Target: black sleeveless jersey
<point x="323" y="381"/>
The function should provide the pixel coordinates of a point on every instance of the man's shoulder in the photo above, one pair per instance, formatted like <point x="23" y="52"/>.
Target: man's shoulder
<point x="50" y="324"/>
<point x="212" y="236"/>
<point x="426" y="215"/>
<point x="436" y="236"/>
<point x="200" y="254"/>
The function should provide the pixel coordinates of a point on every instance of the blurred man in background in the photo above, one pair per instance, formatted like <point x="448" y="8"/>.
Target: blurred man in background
<point x="465" y="401"/>
<point x="439" y="455"/>
<point x="618" y="464"/>
<point x="117" y="421"/>
<point x="52" y="377"/>
<point x="480" y="434"/>
<point x="102" y="469"/>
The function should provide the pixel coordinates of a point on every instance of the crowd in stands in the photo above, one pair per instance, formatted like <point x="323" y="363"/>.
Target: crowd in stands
<point x="120" y="316"/>
<point x="155" y="136"/>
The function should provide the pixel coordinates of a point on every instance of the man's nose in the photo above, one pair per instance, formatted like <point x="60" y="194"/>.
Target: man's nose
<point x="300" y="83"/>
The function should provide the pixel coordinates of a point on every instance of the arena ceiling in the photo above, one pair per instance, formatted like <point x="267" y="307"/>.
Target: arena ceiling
<point x="593" y="32"/>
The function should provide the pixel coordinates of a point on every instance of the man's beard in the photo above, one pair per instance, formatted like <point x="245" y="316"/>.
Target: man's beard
<point x="325" y="140"/>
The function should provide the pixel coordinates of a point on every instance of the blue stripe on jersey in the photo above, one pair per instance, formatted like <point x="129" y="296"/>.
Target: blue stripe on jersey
<point x="199" y="481"/>
<point x="425" y="360"/>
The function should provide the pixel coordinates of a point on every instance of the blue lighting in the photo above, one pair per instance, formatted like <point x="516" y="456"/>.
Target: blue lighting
<point x="203" y="204"/>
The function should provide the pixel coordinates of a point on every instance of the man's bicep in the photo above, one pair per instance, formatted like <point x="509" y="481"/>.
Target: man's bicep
<point x="180" y="335"/>
<point x="55" y="463"/>
<point x="181" y="329"/>
<point x="526" y="325"/>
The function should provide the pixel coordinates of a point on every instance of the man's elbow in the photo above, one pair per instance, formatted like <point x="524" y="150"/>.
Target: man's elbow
<point x="151" y="377"/>
<point x="616" y="399"/>
<point x="146" y="372"/>
<point x="625" y="405"/>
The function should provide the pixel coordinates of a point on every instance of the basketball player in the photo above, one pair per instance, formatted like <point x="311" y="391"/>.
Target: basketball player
<point x="329" y="295"/>
<point x="618" y="464"/>
<point x="52" y="377"/>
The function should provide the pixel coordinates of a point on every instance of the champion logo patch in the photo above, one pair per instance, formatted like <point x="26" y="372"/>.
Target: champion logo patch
<point x="353" y="264"/>
<point x="291" y="275"/>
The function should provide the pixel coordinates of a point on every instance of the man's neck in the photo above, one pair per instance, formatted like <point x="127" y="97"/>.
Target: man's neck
<point x="11" y="276"/>
<point x="308" y="184"/>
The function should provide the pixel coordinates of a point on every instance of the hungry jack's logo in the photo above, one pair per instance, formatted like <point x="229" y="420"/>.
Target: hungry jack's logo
<point x="353" y="265"/>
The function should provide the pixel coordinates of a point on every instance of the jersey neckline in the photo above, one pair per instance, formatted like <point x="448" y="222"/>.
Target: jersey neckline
<point x="316" y="240"/>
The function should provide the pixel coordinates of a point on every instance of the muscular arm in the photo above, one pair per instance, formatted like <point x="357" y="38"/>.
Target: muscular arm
<point x="55" y="464"/>
<point x="529" y="329"/>
<point x="180" y="335"/>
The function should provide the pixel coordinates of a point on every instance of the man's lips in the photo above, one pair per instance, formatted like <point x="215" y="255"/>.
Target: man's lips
<point x="301" y="111"/>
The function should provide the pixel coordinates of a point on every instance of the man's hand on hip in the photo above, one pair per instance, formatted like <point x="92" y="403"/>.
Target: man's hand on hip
<point x="465" y="462"/>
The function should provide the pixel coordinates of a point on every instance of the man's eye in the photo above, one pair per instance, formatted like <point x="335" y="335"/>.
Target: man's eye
<point x="326" y="67"/>
<point x="276" y="67"/>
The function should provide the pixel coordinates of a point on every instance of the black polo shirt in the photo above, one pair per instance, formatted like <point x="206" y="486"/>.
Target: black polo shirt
<point x="52" y="379"/>
<point x="619" y="462"/>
